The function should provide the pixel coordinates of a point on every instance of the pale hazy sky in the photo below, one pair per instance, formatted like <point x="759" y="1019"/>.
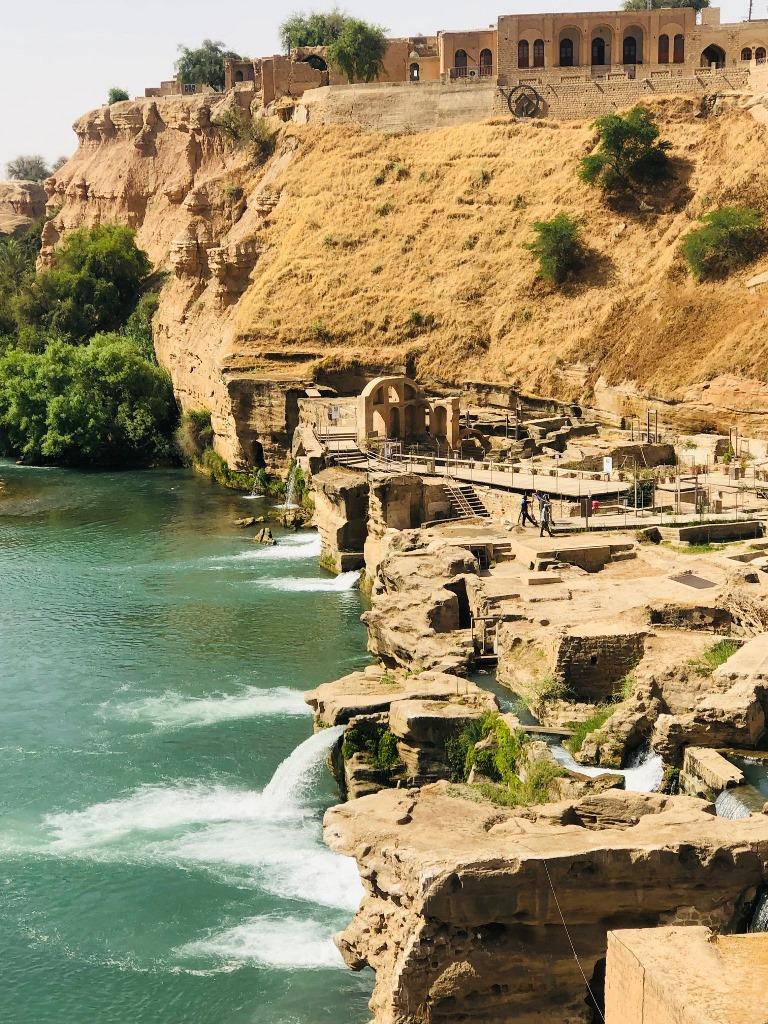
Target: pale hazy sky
<point x="58" y="58"/>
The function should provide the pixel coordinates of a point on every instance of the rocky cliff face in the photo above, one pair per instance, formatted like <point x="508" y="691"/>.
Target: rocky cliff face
<point x="461" y="916"/>
<point x="353" y="252"/>
<point x="21" y="202"/>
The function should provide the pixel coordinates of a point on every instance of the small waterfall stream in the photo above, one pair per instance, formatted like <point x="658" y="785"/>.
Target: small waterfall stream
<point x="290" y="488"/>
<point x="643" y="774"/>
<point x="759" y="922"/>
<point x="730" y="805"/>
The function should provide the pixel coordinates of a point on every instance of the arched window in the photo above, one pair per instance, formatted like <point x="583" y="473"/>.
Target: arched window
<point x="460" y="63"/>
<point x="678" y="55"/>
<point x="566" y="53"/>
<point x="630" y="50"/>
<point x="598" y="51"/>
<point x="538" y="53"/>
<point x="663" y="49"/>
<point x="238" y="76"/>
<point x="760" y="53"/>
<point x="486" y="63"/>
<point x="746" y="53"/>
<point x="522" y="53"/>
<point x="713" y="55"/>
<point x="413" y="73"/>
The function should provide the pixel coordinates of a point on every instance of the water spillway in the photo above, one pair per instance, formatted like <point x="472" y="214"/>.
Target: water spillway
<point x="160" y="815"/>
<point x="642" y="775"/>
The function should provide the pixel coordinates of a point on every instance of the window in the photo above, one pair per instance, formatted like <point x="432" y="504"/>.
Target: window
<point x="238" y="76"/>
<point x="760" y="53"/>
<point x="630" y="50"/>
<point x="486" y="63"/>
<point x="522" y="53"/>
<point x="538" y="53"/>
<point x="460" y="63"/>
<point x="679" y="50"/>
<point x="413" y="74"/>
<point x="663" y="49"/>
<point x="598" y="51"/>
<point x="566" y="53"/>
<point x="746" y="53"/>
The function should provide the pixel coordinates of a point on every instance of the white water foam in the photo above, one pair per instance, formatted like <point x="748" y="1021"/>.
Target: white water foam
<point x="299" y="546"/>
<point x="340" y="584"/>
<point x="285" y="942"/>
<point x="644" y="776"/>
<point x="173" y="710"/>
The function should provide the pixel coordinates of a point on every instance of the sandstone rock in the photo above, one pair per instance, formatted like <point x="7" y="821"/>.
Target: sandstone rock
<point x="264" y="536"/>
<point x="246" y="521"/>
<point x="459" y="919"/>
<point x="341" y="512"/>
<point x="21" y="202"/>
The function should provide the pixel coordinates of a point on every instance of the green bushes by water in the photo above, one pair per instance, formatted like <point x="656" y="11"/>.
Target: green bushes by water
<point x="498" y="761"/>
<point x="582" y="729"/>
<point x="377" y="743"/>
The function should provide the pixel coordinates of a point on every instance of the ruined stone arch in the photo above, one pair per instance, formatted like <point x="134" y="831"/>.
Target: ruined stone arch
<point x="438" y="420"/>
<point x="523" y="54"/>
<point x="713" y="55"/>
<point x="315" y="61"/>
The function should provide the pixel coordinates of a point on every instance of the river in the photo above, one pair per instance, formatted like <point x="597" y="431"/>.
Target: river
<point x="153" y="660"/>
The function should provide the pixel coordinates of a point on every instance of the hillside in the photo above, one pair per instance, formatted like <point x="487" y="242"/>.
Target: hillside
<point x="361" y="249"/>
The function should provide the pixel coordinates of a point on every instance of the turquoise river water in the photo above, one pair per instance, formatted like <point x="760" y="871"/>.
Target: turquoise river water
<point x="161" y="858"/>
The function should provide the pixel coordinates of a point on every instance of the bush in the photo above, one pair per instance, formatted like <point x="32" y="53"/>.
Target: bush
<point x="582" y="729"/>
<point x="497" y="762"/>
<point x="116" y="96"/>
<point x="93" y="285"/>
<point x="378" y="744"/>
<point x="248" y="132"/>
<point x="726" y="240"/>
<point x="557" y="247"/>
<point x="138" y="326"/>
<point x="358" y="51"/>
<point x="194" y="435"/>
<point x="204" y="65"/>
<point x="628" y="154"/>
<point x="94" y="405"/>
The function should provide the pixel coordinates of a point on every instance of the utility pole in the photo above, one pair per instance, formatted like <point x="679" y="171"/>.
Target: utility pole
<point x="749" y="16"/>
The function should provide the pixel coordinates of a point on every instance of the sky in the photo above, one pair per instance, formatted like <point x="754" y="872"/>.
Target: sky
<point x="58" y="58"/>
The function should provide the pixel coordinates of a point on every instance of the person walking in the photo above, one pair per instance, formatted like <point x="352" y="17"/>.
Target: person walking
<point x="546" y="516"/>
<point x="525" y="511"/>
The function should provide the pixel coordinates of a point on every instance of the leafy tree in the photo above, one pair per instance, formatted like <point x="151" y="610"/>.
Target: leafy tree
<point x="99" y="404"/>
<point x="138" y="326"/>
<point x="727" y="239"/>
<point x="557" y="247"/>
<point x="17" y="268"/>
<point x="58" y="163"/>
<point x="316" y="29"/>
<point x="247" y="131"/>
<point x="629" y="153"/>
<point x="28" y="168"/>
<point x="204" y="65"/>
<point x="93" y="286"/>
<point x="115" y="95"/>
<point x="359" y="50"/>
<point x="642" y="5"/>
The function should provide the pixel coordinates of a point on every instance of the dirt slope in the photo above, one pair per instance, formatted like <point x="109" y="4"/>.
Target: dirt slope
<point x="355" y="247"/>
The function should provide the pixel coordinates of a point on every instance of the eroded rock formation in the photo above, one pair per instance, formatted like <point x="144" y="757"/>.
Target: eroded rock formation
<point x="21" y="202"/>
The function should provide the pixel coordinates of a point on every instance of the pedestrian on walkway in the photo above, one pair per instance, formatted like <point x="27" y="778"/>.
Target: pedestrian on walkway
<point x="525" y="511"/>
<point x="546" y="517"/>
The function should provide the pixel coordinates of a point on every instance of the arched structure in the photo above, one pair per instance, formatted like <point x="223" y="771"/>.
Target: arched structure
<point x="486" y="63"/>
<point x="664" y="49"/>
<point x="678" y="52"/>
<point x="632" y="45"/>
<point x="396" y="408"/>
<point x="746" y="53"/>
<point x="460" y="63"/>
<point x="522" y="54"/>
<point x="760" y="53"/>
<point x="239" y="75"/>
<point x="538" y="53"/>
<point x="568" y="48"/>
<point x="315" y="61"/>
<point x="713" y="55"/>
<point x="601" y="46"/>
<point x="413" y="72"/>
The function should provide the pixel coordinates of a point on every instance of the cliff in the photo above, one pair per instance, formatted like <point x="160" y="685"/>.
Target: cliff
<point x="21" y="202"/>
<point x="355" y="250"/>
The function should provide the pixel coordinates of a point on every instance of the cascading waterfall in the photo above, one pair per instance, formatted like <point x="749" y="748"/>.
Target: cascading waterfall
<point x="729" y="805"/>
<point x="759" y="922"/>
<point x="294" y="776"/>
<point x="290" y="488"/>
<point x="643" y="774"/>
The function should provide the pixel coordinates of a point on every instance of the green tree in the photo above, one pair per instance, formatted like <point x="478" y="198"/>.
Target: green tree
<point x="28" y="168"/>
<point x="93" y="285"/>
<point x="203" y="65"/>
<point x="557" y="247"/>
<point x="726" y="239"/>
<point x="642" y="5"/>
<point x="629" y="152"/>
<point x="315" y="29"/>
<point x="359" y="50"/>
<point x="98" y="404"/>
<point x="115" y="95"/>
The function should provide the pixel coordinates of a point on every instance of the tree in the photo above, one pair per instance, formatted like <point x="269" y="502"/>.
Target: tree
<point x="642" y="5"/>
<point x="726" y="239"/>
<point x="100" y="404"/>
<point x="58" y="163"/>
<point x="359" y="50"/>
<point x="628" y="154"/>
<point x="28" y="168"/>
<point x="93" y="285"/>
<point x="316" y="29"/>
<point x="557" y="247"/>
<point x="115" y="95"/>
<point x="205" y="65"/>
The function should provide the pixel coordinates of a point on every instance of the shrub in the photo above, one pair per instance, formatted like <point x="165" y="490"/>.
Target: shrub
<point x="138" y="326"/>
<point x="378" y="744"/>
<point x="248" y="132"/>
<point x="194" y="435"/>
<point x="28" y="168"/>
<point x="726" y="240"/>
<point x="628" y="154"/>
<point x="557" y="247"/>
<point x="716" y="656"/>
<point x="358" y="51"/>
<point x="582" y="729"/>
<point x="116" y="96"/>
<point x="384" y="209"/>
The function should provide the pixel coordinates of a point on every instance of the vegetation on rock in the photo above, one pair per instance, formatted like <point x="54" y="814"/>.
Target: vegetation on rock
<point x="116" y="95"/>
<point x="203" y="65"/>
<point x="642" y="5"/>
<point x="581" y="730"/>
<point x="557" y="247"/>
<point x="315" y="29"/>
<point x="727" y="238"/>
<point x="358" y="51"/>
<point x="629" y="153"/>
<point x="378" y="744"/>
<point x="248" y="132"/>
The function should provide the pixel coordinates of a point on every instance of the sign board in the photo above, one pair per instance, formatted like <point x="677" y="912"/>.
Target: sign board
<point x="607" y="464"/>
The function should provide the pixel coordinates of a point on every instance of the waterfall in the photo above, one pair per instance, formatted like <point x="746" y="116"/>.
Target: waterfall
<point x="759" y="922"/>
<point x="730" y="805"/>
<point x="642" y="775"/>
<point x="294" y="776"/>
<point x="290" y="487"/>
